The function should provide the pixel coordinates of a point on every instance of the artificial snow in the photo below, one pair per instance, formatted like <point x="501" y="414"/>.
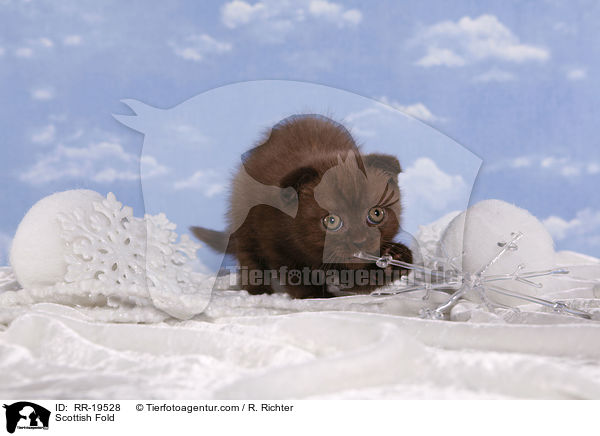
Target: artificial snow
<point x="57" y="344"/>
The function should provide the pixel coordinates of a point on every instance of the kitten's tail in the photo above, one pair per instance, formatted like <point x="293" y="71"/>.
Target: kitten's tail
<point x="218" y="241"/>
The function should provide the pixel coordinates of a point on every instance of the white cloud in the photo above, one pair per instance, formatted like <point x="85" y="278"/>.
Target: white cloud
<point x="521" y="162"/>
<point x="585" y="224"/>
<point x="272" y="20"/>
<point x="471" y="40"/>
<point x="151" y="167"/>
<point x="558" y="227"/>
<point x="2" y="51"/>
<point x="551" y="161"/>
<point x="427" y="188"/>
<point x="495" y="75"/>
<point x="210" y="182"/>
<point x="440" y="56"/>
<point x="593" y="168"/>
<point x="109" y="175"/>
<point x="197" y="47"/>
<point x="27" y="50"/>
<point x="563" y="166"/>
<point x="238" y="12"/>
<point x="354" y="116"/>
<point x="45" y="135"/>
<point x="185" y="135"/>
<point x="335" y="13"/>
<point x="101" y="162"/>
<point x="576" y="73"/>
<point x="45" y="42"/>
<point x="570" y="170"/>
<point x="513" y="163"/>
<point x="417" y="110"/>
<point x="24" y="52"/>
<point x="42" y="94"/>
<point x="560" y="165"/>
<point x="72" y="40"/>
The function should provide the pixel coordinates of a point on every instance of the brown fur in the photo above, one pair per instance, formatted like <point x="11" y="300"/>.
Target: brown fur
<point x="308" y="167"/>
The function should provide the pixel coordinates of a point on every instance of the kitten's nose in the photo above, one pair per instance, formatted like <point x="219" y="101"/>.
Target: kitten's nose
<point x="360" y="241"/>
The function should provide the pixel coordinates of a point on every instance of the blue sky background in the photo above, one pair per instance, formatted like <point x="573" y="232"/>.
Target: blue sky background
<point x="514" y="82"/>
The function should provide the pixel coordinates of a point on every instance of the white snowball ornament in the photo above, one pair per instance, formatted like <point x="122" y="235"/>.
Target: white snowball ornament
<point x="78" y="247"/>
<point x="475" y="237"/>
<point x="38" y="253"/>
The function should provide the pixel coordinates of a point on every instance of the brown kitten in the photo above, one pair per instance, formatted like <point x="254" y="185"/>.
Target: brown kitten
<point x="305" y="199"/>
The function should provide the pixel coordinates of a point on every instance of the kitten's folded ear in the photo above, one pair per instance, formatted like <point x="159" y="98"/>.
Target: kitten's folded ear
<point x="385" y="162"/>
<point x="296" y="179"/>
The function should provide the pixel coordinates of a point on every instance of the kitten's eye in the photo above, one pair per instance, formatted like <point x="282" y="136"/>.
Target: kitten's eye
<point x="332" y="222"/>
<point x="376" y="215"/>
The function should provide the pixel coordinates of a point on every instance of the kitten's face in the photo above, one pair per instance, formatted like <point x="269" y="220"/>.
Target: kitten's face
<point x="347" y="211"/>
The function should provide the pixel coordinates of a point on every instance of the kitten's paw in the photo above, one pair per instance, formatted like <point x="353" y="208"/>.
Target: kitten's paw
<point x="398" y="252"/>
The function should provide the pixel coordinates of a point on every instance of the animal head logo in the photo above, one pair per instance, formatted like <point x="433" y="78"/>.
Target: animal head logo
<point x="199" y="142"/>
<point x="26" y="415"/>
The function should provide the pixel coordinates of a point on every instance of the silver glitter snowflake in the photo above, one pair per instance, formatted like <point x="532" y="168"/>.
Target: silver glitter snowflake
<point x="445" y="275"/>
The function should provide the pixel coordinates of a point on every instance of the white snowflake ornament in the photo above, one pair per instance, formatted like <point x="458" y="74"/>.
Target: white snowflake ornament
<point x="111" y="257"/>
